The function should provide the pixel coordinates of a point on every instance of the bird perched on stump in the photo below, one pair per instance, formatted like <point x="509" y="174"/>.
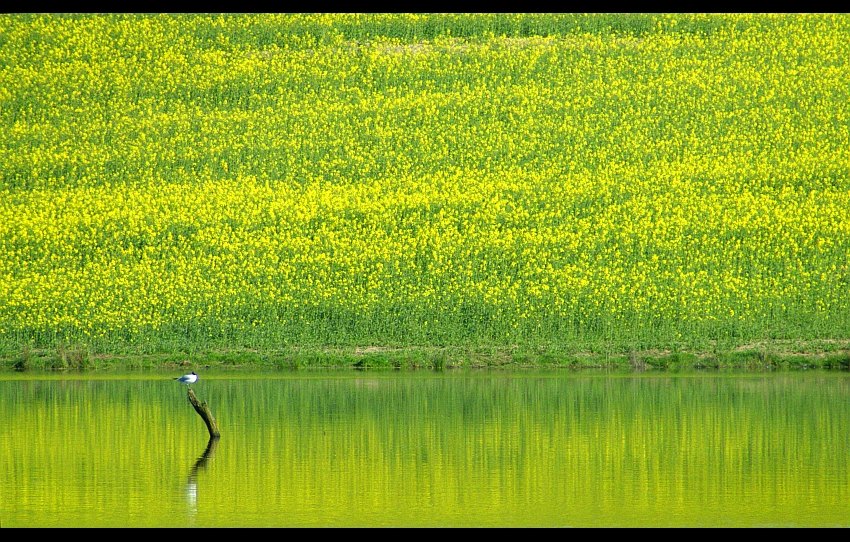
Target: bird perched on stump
<point x="187" y="379"/>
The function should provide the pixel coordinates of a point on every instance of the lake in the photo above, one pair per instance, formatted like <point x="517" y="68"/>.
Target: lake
<point x="478" y="448"/>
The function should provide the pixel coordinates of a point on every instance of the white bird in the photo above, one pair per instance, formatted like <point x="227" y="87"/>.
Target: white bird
<point x="190" y="378"/>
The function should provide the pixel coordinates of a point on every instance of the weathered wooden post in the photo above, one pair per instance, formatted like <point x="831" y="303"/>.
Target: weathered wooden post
<point x="204" y="412"/>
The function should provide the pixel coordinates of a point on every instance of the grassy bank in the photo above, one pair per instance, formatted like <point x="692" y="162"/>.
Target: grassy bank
<point x="530" y="185"/>
<point x="763" y="356"/>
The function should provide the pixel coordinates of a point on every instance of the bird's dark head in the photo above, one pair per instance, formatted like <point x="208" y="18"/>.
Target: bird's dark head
<point x="194" y="373"/>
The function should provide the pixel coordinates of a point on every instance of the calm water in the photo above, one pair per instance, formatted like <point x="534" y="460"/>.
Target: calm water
<point x="414" y="449"/>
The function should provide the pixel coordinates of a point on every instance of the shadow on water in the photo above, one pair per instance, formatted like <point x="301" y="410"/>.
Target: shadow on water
<point x="192" y="480"/>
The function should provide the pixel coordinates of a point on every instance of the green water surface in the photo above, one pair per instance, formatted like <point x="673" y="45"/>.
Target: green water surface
<point x="427" y="449"/>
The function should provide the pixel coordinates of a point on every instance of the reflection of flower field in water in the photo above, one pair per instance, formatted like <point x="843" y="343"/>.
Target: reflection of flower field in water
<point x="255" y="180"/>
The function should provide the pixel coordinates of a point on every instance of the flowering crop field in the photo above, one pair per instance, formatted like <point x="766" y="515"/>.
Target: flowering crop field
<point x="563" y="181"/>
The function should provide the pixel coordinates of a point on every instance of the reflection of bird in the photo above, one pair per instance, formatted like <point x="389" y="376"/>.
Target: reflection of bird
<point x="192" y="481"/>
<point x="190" y="378"/>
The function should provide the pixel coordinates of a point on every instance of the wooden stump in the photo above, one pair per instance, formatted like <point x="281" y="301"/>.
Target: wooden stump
<point x="204" y="412"/>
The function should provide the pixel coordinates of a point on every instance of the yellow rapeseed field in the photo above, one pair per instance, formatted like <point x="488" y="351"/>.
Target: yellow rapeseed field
<point x="405" y="179"/>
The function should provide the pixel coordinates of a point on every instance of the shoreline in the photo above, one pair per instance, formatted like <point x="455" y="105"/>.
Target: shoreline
<point x="822" y="354"/>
